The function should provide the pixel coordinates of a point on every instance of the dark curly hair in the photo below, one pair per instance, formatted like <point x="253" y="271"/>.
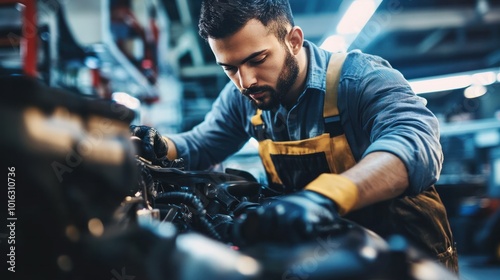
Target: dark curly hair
<point x="222" y="18"/>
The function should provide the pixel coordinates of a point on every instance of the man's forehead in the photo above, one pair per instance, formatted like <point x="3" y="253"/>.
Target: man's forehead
<point x="251" y="38"/>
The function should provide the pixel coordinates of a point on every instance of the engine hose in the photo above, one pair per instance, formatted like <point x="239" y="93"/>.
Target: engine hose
<point x="191" y="200"/>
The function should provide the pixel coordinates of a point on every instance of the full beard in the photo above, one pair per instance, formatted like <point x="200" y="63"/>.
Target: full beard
<point x="286" y="79"/>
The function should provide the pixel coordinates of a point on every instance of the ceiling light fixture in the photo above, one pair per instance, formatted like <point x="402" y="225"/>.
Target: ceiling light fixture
<point x="455" y="81"/>
<point x="354" y="19"/>
<point x="356" y="16"/>
<point x="474" y="91"/>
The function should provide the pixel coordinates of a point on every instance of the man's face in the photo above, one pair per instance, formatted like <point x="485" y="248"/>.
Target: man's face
<point x="260" y="65"/>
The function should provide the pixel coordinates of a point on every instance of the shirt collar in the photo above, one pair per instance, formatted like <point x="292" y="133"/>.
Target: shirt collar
<point x="317" y="65"/>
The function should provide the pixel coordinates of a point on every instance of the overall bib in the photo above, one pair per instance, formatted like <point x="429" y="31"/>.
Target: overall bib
<point x="291" y="165"/>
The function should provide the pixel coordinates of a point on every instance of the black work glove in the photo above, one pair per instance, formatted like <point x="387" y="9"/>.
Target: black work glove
<point x="289" y="218"/>
<point x="152" y="145"/>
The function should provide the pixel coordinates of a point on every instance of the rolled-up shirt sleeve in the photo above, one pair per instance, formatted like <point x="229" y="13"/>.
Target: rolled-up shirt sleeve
<point x="397" y="121"/>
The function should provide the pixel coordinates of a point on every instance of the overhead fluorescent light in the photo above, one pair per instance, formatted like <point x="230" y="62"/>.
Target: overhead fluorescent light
<point x="484" y="78"/>
<point x="474" y="91"/>
<point x="350" y="25"/>
<point x="356" y="16"/>
<point x="456" y="81"/>
<point x="440" y="84"/>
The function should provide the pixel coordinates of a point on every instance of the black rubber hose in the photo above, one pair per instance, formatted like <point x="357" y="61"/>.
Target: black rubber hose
<point x="193" y="201"/>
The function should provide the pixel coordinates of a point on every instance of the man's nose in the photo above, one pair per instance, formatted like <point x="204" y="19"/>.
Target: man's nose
<point x="247" y="77"/>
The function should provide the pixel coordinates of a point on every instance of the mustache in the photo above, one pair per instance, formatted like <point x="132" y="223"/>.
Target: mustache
<point x="255" y="89"/>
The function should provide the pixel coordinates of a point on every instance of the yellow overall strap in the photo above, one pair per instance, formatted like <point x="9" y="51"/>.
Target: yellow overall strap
<point x="330" y="107"/>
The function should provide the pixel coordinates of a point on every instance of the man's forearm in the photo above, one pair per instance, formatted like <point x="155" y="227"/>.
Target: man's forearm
<point x="172" y="150"/>
<point x="378" y="176"/>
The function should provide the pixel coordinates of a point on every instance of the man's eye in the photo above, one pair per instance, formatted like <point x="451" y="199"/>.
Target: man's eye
<point x="259" y="61"/>
<point x="228" y="69"/>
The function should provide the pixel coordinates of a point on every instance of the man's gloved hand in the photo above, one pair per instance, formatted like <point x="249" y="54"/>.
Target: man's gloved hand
<point x="289" y="218"/>
<point x="153" y="146"/>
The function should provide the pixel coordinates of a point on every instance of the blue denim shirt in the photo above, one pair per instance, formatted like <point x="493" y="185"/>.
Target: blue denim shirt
<point x="378" y="111"/>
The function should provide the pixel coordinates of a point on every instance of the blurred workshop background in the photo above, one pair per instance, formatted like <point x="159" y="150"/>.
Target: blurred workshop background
<point x="147" y="55"/>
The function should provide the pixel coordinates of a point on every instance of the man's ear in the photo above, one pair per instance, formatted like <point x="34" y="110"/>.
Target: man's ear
<point x="296" y="39"/>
